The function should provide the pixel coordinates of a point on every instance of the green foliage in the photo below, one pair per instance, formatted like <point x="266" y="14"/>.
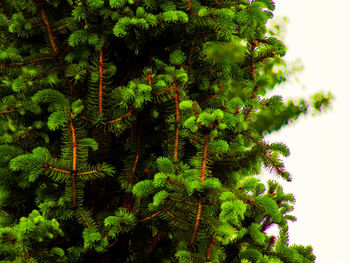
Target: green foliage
<point x="139" y="126"/>
<point x="31" y="231"/>
<point x="165" y="165"/>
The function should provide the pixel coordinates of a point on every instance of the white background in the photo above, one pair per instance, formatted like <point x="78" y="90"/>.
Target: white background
<point x="318" y="32"/>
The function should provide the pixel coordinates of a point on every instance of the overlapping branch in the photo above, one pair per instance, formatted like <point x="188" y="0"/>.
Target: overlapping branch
<point x="199" y="211"/>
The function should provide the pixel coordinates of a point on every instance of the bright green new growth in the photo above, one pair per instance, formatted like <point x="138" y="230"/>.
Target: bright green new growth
<point x="131" y="131"/>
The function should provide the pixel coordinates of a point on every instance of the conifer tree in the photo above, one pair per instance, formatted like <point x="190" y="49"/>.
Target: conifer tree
<point x="131" y="131"/>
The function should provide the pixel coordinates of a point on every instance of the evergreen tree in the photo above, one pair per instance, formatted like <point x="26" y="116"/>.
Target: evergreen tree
<point x="131" y="131"/>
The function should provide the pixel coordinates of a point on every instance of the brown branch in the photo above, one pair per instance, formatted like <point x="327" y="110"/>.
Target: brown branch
<point x="84" y="219"/>
<point x="24" y="136"/>
<point x="93" y="171"/>
<point x="28" y="62"/>
<point x="58" y="170"/>
<point x="210" y="246"/>
<point x="113" y="243"/>
<point x="49" y="31"/>
<point x="278" y="168"/>
<point x="38" y="25"/>
<point x="74" y="144"/>
<point x="267" y="222"/>
<point x="149" y="77"/>
<point x="151" y="216"/>
<point x="182" y="201"/>
<point x="198" y="217"/>
<point x="84" y="118"/>
<point x="55" y="50"/>
<point x="137" y="157"/>
<point x="179" y="219"/>
<point x="120" y="118"/>
<point x="100" y="95"/>
<point x="253" y="46"/>
<point x="176" y="183"/>
<point x="177" y="122"/>
<point x="8" y="111"/>
<point x="204" y="162"/>
<point x="216" y="1"/>
<point x="58" y="28"/>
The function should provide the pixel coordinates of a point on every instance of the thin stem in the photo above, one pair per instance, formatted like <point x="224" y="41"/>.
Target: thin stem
<point x="84" y="219"/>
<point x="137" y="157"/>
<point x="58" y="170"/>
<point x="169" y="213"/>
<point x="198" y="217"/>
<point x="120" y="118"/>
<point x="253" y="46"/>
<point x="204" y="161"/>
<point x="151" y="216"/>
<point x="28" y="62"/>
<point x="49" y="31"/>
<point x="92" y="171"/>
<point x="199" y="211"/>
<point x="177" y="122"/>
<point x="210" y="246"/>
<point x="101" y="83"/>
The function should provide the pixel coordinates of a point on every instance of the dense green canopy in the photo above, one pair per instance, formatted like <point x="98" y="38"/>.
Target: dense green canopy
<point x="131" y="131"/>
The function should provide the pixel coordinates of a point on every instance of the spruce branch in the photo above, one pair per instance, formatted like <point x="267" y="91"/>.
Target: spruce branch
<point x="253" y="46"/>
<point x="58" y="169"/>
<point x="101" y="86"/>
<point x="27" y="62"/>
<point x="92" y="171"/>
<point x="55" y="49"/>
<point x="176" y="218"/>
<point x="121" y="117"/>
<point x="219" y="4"/>
<point x="177" y="122"/>
<point x="151" y="216"/>
<point x="38" y="25"/>
<point x="175" y="183"/>
<point x="113" y="243"/>
<point x="199" y="211"/>
<point x="278" y="168"/>
<point x="58" y="28"/>
<point x="182" y="201"/>
<point x="212" y="241"/>
<point x="149" y="78"/>
<point x="84" y="118"/>
<point x="130" y="178"/>
<point x="24" y="136"/>
<point x="83" y="217"/>
<point x="49" y="31"/>
<point x="8" y="111"/>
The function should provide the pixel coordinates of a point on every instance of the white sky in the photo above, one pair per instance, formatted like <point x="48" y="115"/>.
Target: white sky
<point x="318" y="32"/>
